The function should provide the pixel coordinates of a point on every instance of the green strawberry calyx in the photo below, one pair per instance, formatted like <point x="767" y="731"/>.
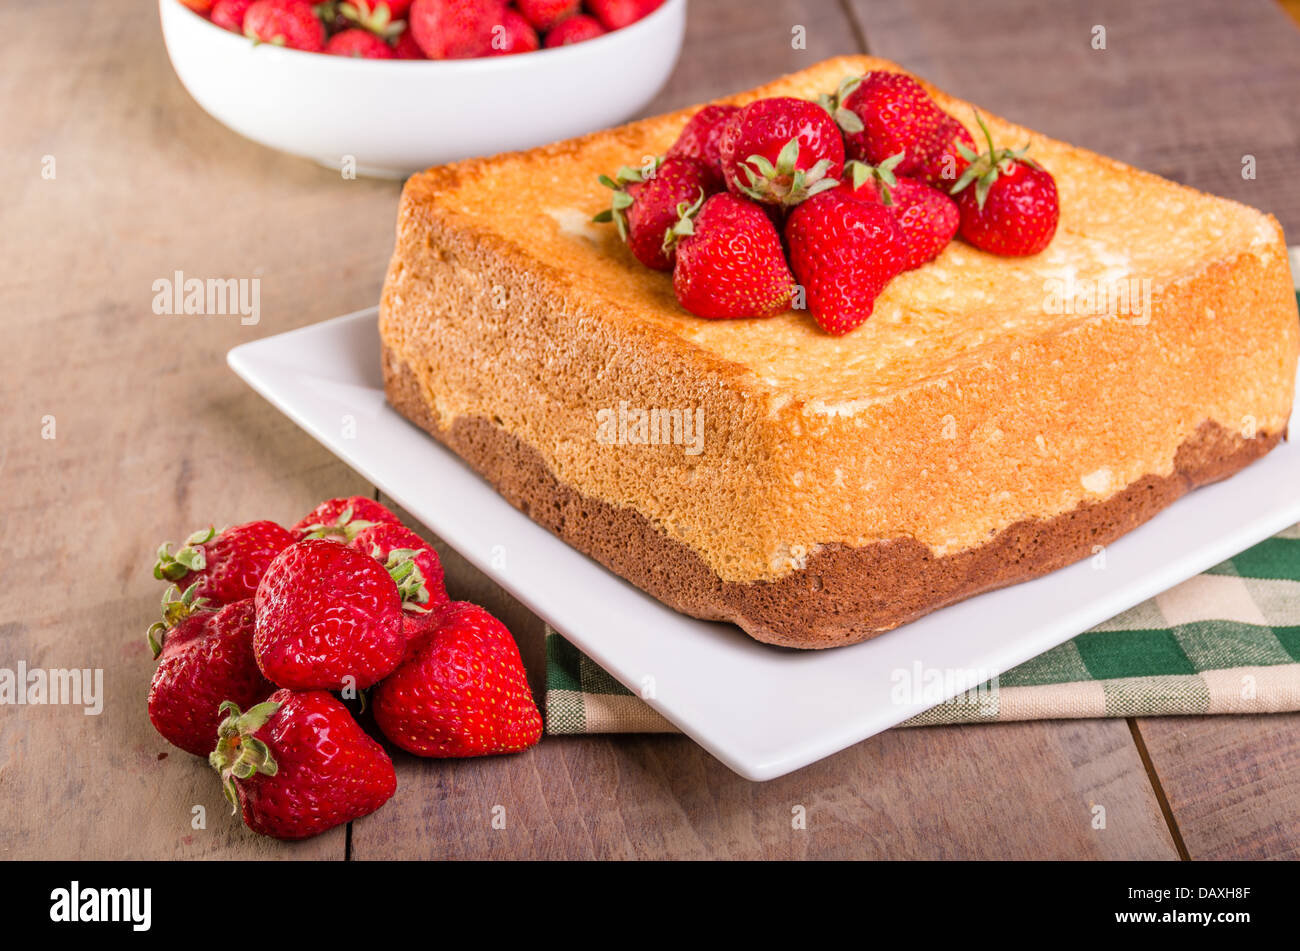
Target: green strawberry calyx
<point x="686" y="212"/>
<point x="401" y="567"/>
<point x="985" y="167"/>
<point x="860" y="173"/>
<point x="191" y="556"/>
<point x="345" y="527"/>
<point x="622" y="200"/>
<point x="239" y="754"/>
<point x="376" y="18"/>
<point x="176" y="607"/>
<point x="845" y="118"/>
<point x="784" y="183"/>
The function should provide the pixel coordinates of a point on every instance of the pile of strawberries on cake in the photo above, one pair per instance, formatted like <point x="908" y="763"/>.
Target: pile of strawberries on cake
<point x="423" y="29"/>
<point x="262" y="627"/>
<point x="787" y="203"/>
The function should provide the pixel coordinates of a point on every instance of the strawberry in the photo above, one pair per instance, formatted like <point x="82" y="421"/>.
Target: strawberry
<point x="290" y="23"/>
<point x="223" y="568"/>
<point x="926" y="216"/>
<point x="844" y="252"/>
<point x="455" y="29"/>
<point x="206" y="657"/>
<point x="514" y="34"/>
<point x="945" y="162"/>
<point x="575" y="29"/>
<point x="422" y="583"/>
<point x="542" y="15"/>
<point x="616" y="14"/>
<point x="329" y="617"/>
<point x="883" y="114"/>
<point x="645" y="205"/>
<point x="464" y="692"/>
<point x="1013" y="208"/>
<point x="342" y="518"/>
<point x="701" y="138"/>
<point x="298" y="764"/>
<point x="229" y="14"/>
<point x="198" y="6"/>
<point x="781" y="151"/>
<point x="405" y="47"/>
<point x="359" y="44"/>
<point x="729" y="260"/>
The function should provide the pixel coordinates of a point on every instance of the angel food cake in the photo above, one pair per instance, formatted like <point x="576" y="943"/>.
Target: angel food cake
<point x="995" y="419"/>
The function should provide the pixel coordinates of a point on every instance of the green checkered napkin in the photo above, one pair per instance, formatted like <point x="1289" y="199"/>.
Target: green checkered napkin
<point x="1227" y="641"/>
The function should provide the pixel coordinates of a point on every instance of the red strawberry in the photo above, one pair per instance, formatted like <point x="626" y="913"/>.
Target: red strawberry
<point x="575" y="29"/>
<point x="359" y="44"/>
<point x="455" y="29"/>
<point x="291" y="23"/>
<point x="229" y="14"/>
<point x="945" y="162"/>
<point x="844" y="252"/>
<point x="341" y="519"/>
<point x="647" y="206"/>
<point x="405" y="47"/>
<point x="298" y="764"/>
<point x="223" y="568"/>
<point x="206" y="658"/>
<point x="514" y="35"/>
<point x="702" y="136"/>
<point x="616" y="14"/>
<point x="463" y="694"/>
<point x="422" y="584"/>
<point x="1013" y="207"/>
<point x="729" y="260"/>
<point x="883" y="114"/>
<point x="328" y="617"/>
<point x="542" y="15"/>
<point x="198" y="6"/>
<point x="926" y="216"/>
<point x="781" y="151"/>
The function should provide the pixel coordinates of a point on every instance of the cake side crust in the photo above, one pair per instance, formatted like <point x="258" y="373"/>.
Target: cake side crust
<point x="844" y="594"/>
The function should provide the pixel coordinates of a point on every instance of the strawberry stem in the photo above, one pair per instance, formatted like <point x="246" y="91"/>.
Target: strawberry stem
<point x="238" y="754"/>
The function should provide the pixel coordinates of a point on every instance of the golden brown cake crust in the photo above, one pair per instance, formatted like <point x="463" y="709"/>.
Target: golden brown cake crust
<point x="844" y="595"/>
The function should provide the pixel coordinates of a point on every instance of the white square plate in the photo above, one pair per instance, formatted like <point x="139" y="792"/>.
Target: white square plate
<point x="763" y="711"/>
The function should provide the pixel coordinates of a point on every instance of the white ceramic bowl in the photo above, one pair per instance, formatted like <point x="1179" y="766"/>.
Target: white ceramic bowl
<point x="394" y="117"/>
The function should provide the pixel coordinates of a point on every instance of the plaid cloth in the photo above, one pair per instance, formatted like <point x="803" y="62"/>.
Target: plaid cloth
<point x="1226" y="641"/>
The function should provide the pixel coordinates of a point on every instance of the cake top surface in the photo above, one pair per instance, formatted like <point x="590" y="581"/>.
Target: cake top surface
<point x="1123" y="235"/>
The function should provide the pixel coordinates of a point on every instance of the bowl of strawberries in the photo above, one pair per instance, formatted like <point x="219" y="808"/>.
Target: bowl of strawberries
<point x="390" y="87"/>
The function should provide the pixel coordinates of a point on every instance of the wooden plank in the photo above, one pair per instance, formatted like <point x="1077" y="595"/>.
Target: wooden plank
<point x="1233" y="783"/>
<point x="1184" y="88"/>
<point x="732" y="46"/>
<point x="1023" y="790"/>
<point x="154" y="435"/>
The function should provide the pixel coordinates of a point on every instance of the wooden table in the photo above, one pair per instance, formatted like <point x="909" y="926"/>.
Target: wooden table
<point x="153" y="436"/>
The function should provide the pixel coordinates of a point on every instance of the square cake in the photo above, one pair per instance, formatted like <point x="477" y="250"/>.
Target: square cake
<point x="995" y="419"/>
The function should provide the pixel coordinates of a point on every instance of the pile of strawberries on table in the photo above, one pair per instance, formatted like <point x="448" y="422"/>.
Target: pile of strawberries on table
<point x="423" y="29"/>
<point x="263" y="625"/>
<point x="787" y="202"/>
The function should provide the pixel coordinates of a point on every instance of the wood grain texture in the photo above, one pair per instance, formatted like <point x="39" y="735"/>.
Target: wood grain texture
<point x="1184" y="88"/>
<point x="154" y="437"/>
